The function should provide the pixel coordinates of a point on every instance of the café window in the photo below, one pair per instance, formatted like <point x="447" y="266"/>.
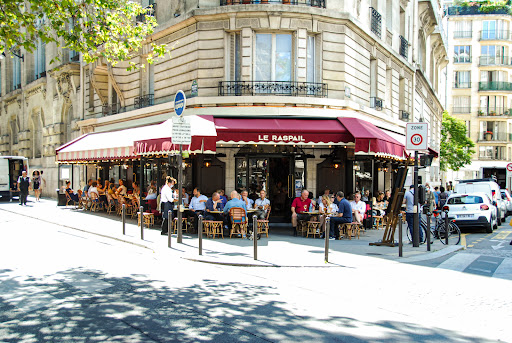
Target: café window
<point x="241" y="173"/>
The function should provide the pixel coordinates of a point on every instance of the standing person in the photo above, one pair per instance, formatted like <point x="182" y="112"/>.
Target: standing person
<point x="42" y="185"/>
<point x="261" y="205"/>
<point x="436" y="195"/>
<point x="344" y="216"/>
<point x="36" y="183"/>
<point x="300" y="205"/>
<point x="431" y="199"/>
<point x="166" y="203"/>
<point x="443" y="196"/>
<point x="23" y="187"/>
<point x="358" y="208"/>
<point x="197" y="206"/>
<point x="409" y="211"/>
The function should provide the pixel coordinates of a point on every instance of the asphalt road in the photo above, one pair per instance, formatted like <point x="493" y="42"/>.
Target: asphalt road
<point x="60" y="285"/>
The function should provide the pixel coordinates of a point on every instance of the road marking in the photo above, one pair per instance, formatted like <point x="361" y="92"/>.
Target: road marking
<point x="502" y="235"/>
<point x="504" y="270"/>
<point x="463" y="240"/>
<point x="481" y="270"/>
<point x="470" y="246"/>
<point x="485" y="261"/>
<point x="499" y="246"/>
<point x="458" y="262"/>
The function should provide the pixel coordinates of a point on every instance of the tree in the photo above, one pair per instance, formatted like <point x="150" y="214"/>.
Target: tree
<point x="455" y="144"/>
<point x="95" y="28"/>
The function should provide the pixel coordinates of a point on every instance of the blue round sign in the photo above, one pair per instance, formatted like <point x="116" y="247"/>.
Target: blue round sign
<point x="179" y="102"/>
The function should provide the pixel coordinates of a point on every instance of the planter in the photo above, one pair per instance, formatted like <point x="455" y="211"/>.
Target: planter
<point x="488" y="136"/>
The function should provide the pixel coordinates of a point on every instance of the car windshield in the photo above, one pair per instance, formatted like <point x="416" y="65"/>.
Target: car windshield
<point x="466" y="199"/>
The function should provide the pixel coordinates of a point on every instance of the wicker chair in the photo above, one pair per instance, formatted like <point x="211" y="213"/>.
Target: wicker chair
<point x="238" y="221"/>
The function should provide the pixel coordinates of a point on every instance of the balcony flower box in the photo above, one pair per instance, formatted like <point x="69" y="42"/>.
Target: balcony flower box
<point x="488" y="135"/>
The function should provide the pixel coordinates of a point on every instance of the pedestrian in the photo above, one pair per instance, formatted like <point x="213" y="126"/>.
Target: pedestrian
<point x="409" y="211"/>
<point x="443" y="196"/>
<point x="431" y="199"/>
<point x="167" y="203"/>
<point x="42" y="185"/>
<point x="23" y="187"/>
<point x="436" y="195"/>
<point x="36" y="183"/>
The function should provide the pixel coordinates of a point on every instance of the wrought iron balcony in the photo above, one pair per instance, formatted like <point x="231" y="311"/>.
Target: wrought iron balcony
<point x="404" y="47"/>
<point x="461" y="109"/>
<point x="462" y="34"/>
<point x="494" y="112"/>
<point x="404" y="115"/>
<point x="144" y="101"/>
<point x="495" y="35"/>
<point x="461" y="85"/>
<point x="495" y="86"/>
<point x="375" y="21"/>
<point x="462" y="59"/>
<point x="311" y="3"/>
<point x="141" y="18"/>
<point x="290" y="88"/>
<point x="376" y="103"/>
<point x="487" y="60"/>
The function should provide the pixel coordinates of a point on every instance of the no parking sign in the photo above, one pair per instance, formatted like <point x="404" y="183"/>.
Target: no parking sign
<point x="417" y="136"/>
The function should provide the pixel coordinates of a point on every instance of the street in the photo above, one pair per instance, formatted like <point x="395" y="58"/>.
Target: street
<point x="61" y="285"/>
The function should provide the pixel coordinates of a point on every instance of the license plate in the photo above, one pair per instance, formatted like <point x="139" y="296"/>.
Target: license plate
<point x="465" y="216"/>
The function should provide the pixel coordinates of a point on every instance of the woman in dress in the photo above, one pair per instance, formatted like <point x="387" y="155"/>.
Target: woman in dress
<point x="36" y="184"/>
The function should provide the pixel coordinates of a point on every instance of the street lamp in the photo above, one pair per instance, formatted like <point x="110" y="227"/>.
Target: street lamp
<point x="2" y="55"/>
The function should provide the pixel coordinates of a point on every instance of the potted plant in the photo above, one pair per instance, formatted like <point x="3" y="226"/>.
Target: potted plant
<point x="480" y="112"/>
<point x="492" y="113"/>
<point x="488" y="135"/>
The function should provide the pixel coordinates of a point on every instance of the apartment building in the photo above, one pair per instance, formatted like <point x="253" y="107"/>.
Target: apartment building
<point x="481" y="86"/>
<point x="300" y="93"/>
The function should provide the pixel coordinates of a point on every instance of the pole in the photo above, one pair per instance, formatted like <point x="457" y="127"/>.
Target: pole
<point x="180" y="196"/>
<point x="141" y="181"/>
<point x="446" y="226"/>
<point x="416" y="221"/>
<point x="123" y="218"/>
<point x="169" y="227"/>
<point x="428" y="228"/>
<point x="142" y="223"/>
<point x="255" y="236"/>
<point x="400" y="235"/>
<point x="326" y="234"/>
<point x="200" y="233"/>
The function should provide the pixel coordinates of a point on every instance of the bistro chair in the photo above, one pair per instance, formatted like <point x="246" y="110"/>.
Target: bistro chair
<point x="184" y="225"/>
<point x="313" y="229"/>
<point x="238" y="221"/>
<point x="263" y="224"/>
<point x="69" y="200"/>
<point x="111" y="205"/>
<point x="95" y="202"/>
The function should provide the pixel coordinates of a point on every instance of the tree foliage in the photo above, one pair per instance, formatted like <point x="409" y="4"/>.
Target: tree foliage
<point x="95" y="28"/>
<point x="456" y="146"/>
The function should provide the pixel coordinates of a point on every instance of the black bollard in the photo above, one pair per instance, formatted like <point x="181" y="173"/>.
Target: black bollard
<point x="446" y="227"/>
<point x="142" y="223"/>
<point x="169" y="227"/>
<point x="400" y="236"/>
<point x="123" y="218"/>
<point x="179" y="225"/>
<point x="200" y="233"/>
<point x="255" y="236"/>
<point x="428" y="230"/>
<point x="327" y="229"/>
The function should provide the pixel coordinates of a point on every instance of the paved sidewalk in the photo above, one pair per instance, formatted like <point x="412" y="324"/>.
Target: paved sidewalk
<point x="280" y="249"/>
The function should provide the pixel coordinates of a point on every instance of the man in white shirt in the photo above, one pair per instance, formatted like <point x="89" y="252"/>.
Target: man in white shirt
<point x="261" y="205"/>
<point x="93" y="189"/>
<point x="167" y="198"/>
<point x="121" y="190"/>
<point x="358" y="208"/>
<point x="249" y="203"/>
<point x="197" y="206"/>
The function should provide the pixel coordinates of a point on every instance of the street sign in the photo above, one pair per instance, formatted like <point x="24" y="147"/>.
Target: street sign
<point x="179" y="103"/>
<point x="509" y="167"/>
<point x="417" y="136"/>
<point x="181" y="132"/>
<point x="193" y="89"/>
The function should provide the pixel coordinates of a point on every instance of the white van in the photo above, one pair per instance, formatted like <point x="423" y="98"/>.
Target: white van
<point x="487" y="186"/>
<point x="10" y="170"/>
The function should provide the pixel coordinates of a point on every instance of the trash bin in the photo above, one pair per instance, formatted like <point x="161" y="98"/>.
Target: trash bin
<point x="61" y="199"/>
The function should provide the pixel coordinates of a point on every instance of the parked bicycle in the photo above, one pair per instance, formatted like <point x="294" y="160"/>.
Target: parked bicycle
<point x="438" y="231"/>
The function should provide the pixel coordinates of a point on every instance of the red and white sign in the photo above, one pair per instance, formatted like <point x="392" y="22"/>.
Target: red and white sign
<point x="509" y="167"/>
<point x="417" y="136"/>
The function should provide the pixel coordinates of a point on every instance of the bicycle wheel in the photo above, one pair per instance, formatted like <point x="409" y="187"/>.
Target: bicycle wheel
<point x="453" y="233"/>
<point x="423" y="226"/>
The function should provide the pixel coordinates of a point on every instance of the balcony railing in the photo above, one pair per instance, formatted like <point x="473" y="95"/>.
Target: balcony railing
<point x="494" y="112"/>
<point x="404" y="115"/>
<point x="474" y="10"/>
<point x="461" y="85"/>
<point x="495" y="35"/>
<point x="144" y="101"/>
<point x="290" y="88"/>
<point x="493" y="137"/>
<point x="462" y="34"/>
<point x="493" y="155"/>
<point x="404" y="47"/>
<point x="461" y="59"/>
<point x="376" y="103"/>
<point x="461" y="109"/>
<point x="311" y="3"/>
<point x="141" y="18"/>
<point x="108" y="110"/>
<point x="495" y="61"/>
<point x="375" y="21"/>
<point x="495" y="86"/>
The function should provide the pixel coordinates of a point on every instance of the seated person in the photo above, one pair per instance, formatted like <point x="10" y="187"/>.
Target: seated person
<point x="72" y="194"/>
<point x="214" y="204"/>
<point x="234" y="202"/>
<point x="344" y="216"/>
<point x="184" y="196"/>
<point x="136" y="189"/>
<point x="358" y="208"/>
<point x="197" y="206"/>
<point x="249" y="203"/>
<point x="93" y="189"/>
<point x="223" y="197"/>
<point x="300" y="205"/>
<point x="261" y="205"/>
<point x="379" y="205"/>
<point x="121" y="190"/>
<point x="151" y="193"/>
<point x="327" y="209"/>
<point x="326" y="192"/>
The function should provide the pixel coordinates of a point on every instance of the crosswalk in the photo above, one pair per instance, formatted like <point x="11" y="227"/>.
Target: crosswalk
<point x="29" y="294"/>
<point x="497" y="267"/>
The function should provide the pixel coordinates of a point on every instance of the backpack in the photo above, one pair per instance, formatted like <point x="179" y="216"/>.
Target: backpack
<point x="442" y="199"/>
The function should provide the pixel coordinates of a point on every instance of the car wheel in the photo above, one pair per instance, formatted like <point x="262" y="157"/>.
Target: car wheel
<point x="488" y="228"/>
<point x="499" y="220"/>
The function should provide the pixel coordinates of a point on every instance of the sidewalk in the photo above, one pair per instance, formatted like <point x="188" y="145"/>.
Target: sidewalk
<point x="280" y="249"/>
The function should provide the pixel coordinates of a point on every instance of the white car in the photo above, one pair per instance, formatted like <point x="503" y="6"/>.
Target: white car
<point x="473" y="210"/>
<point x="505" y="195"/>
<point x="488" y="186"/>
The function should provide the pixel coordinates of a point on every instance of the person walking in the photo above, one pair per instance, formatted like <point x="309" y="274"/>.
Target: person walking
<point x="23" y="187"/>
<point x="36" y="184"/>
<point x="409" y="211"/>
<point x="167" y="203"/>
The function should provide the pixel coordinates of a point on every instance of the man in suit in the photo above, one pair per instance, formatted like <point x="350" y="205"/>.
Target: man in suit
<point x="23" y="187"/>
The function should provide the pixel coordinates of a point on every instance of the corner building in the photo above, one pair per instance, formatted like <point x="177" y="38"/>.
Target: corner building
<point x="312" y="94"/>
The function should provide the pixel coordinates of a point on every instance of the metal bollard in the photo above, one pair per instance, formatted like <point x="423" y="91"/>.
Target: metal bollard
<point x="123" y="218"/>
<point x="200" y="233"/>
<point x="180" y="226"/>
<point x="142" y="223"/>
<point x="400" y="236"/>
<point x="255" y="236"/>
<point x="428" y="230"/>
<point x="446" y="226"/>
<point x="327" y="229"/>
<point x="169" y="228"/>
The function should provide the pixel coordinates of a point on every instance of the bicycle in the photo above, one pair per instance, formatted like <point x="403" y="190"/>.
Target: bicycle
<point x="438" y="230"/>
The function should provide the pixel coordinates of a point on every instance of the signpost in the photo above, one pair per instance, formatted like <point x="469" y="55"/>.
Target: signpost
<point x="417" y="140"/>
<point x="180" y="135"/>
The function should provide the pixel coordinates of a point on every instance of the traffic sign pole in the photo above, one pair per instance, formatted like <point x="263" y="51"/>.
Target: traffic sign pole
<point x="180" y="135"/>
<point x="416" y="221"/>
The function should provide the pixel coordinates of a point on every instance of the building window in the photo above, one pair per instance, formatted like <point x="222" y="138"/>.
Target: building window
<point x="235" y="56"/>
<point x="273" y="57"/>
<point x="463" y="29"/>
<point x="493" y="106"/>
<point x="311" y="60"/>
<point x="462" y="79"/>
<point x="461" y="104"/>
<point x="40" y="60"/>
<point x="16" y="73"/>
<point x="14" y="131"/>
<point x="494" y="29"/>
<point x="462" y="54"/>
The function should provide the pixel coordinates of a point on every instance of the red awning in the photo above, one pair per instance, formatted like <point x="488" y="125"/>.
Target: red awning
<point x="433" y="152"/>
<point x="203" y="138"/>
<point x="370" y="140"/>
<point x="281" y="131"/>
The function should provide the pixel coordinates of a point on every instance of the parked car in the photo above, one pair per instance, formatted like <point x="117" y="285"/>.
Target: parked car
<point x="488" y="186"/>
<point x="505" y="195"/>
<point x="472" y="210"/>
